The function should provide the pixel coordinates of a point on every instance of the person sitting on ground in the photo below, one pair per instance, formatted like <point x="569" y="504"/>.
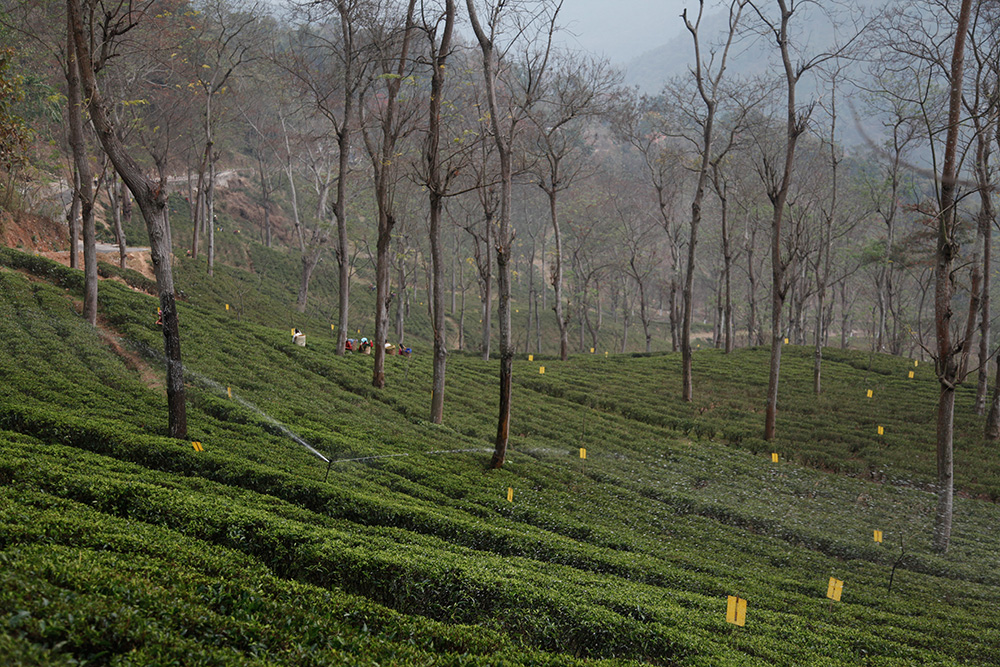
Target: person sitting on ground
<point x="404" y="351"/>
<point x="299" y="338"/>
<point x="366" y="347"/>
<point x="349" y="345"/>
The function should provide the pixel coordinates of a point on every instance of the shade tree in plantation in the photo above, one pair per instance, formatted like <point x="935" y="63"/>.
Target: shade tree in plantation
<point x="150" y="195"/>
<point x="437" y="23"/>
<point x="775" y="23"/>
<point x="515" y="41"/>
<point x="952" y="352"/>
<point x="707" y="73"/>
<point x="577" y="91"/>
<point x="221" y="42"/>
<point x="886" y="185"/>
<point x="329" y="58"/>
<point x="384" y="119"/>
<point x="639" y="252"/>
<point x="642" y="121"/>
<point x="981" y="102"/>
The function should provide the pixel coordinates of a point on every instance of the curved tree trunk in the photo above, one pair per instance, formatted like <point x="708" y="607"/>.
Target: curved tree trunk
<point x="152" y="200"/>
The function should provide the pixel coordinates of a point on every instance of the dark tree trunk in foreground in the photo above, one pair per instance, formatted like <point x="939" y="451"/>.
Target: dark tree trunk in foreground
<point x="949" y="367"/>
<point x="152" y="200"/>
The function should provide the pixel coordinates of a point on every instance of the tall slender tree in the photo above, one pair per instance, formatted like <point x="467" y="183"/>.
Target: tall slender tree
<point x="505" y="125"/>
<point x="151" y="197"/>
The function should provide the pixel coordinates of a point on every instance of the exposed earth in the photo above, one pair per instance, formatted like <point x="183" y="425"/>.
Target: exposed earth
<point x="46" y="237"/>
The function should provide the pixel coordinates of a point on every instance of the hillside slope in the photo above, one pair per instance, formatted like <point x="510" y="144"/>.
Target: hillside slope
<point x="324" y="522"/>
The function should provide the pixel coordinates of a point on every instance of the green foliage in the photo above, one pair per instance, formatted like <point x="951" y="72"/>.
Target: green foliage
<point x="119" y="545"/>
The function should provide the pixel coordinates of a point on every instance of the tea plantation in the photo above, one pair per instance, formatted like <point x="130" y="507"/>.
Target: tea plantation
<point x="120" y="546"/>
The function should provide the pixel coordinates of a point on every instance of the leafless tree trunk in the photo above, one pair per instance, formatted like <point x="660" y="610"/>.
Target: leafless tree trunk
<point x="73" y="217"/>
<point x="85" y="189"/>
<point x="383" y="164"/>
<point x="951" y="358"/>
<point x="152" y="200"/>
<point x="116" y="198"/>
<point x="822" y="265"/>
<point x="503" y="137"/>
<point x="708" y="84"/>
<point x="435" y="189"/>
<point x="777" y="192"/>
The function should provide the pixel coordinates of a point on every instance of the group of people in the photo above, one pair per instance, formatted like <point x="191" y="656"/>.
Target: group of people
<point x="364" y="346"/>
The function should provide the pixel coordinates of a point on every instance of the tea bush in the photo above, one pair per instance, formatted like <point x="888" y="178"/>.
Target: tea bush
<point x="119" y="545"/>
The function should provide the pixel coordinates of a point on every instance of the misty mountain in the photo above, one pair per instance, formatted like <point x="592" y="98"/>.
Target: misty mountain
<point x="754" y="53"/>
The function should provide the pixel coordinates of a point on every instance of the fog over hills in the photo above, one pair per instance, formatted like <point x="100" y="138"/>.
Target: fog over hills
<point x="814" y="32"/>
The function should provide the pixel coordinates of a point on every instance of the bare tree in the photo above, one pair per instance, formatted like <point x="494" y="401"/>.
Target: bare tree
<point x="391" y="65"/>
<point x="952" y="356"/>
<point x="222" y="45"/>
<point x="708" y="83"/>
<point x="777" y="177"/>
<point x="436" y="189"/>
<point x="84" y="191"/>
<point x="152" y="200"/>
<point x="330" y="61"/>
<point x="505" y="125"/>
<point x="577" y="91"/>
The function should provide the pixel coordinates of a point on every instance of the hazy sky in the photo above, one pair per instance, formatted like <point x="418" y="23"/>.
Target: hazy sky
<point x="623" y="29"/>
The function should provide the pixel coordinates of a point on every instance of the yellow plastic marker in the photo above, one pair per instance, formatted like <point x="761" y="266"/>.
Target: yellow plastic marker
<point x="878" y="536"/>
<point x="227" y="306"/>
<point x="583" y="453"/>
<point x="541" y="370"/>
<point x="229" y="391"/>
<point x="510" y="494"/>
<point x="197" y="446"/>
<point x="531" y="357"/>
<point x="881" y="431"/>
<point x="736" y="611"/>
<point x="774" y="457"/>
<point x="911" y="375"/>
<point x="833" y="590"/>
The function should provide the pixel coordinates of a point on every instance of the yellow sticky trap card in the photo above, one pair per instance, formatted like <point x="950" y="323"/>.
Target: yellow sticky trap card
<point x="774" y="457"/>
<point x="736" y="611"/>
<point x="583" y="453"/>
<point x="878" y="536"/>
<point x="869" y="393"/>
<point x="541" y="370"/>
<point x="197" y="446"/>
<point x="510" y="494"/>
<point x="881" y="431"/>
<point x="834" y="589"/>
